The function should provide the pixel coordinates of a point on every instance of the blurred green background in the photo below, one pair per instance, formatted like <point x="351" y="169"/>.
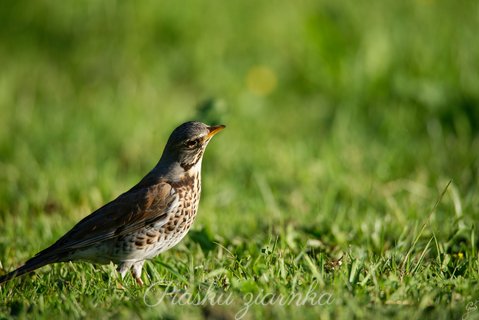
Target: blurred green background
<point x="345" y="117"/>
<point x="315" y="94"/>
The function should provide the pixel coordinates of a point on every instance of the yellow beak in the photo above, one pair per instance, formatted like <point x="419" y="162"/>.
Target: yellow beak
<point x="214" y="130"/>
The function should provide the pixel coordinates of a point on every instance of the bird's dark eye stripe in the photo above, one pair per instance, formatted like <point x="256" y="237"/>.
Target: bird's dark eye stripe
<point x="192" y="143"/>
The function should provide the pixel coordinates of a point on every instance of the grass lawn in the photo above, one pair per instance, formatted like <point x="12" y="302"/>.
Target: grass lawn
<point x="344" y="186"/>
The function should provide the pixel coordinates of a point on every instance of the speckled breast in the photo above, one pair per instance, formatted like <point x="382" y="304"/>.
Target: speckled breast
<point x="152" y="241"/>
<point x="180" y="220"/>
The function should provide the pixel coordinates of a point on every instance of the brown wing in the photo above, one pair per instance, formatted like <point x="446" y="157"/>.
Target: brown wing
<point x="127" y="213"/>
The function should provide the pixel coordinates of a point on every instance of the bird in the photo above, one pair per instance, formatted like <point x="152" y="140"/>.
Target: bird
<point x="148" y="219"/>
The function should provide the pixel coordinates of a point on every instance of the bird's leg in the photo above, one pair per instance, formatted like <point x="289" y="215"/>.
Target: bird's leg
<point x="123" y="268"/>
<point x="136" y="271"/>
<point x="139" y="282"/>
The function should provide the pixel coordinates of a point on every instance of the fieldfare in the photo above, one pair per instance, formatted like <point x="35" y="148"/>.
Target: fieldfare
<point x="141" y="223"/>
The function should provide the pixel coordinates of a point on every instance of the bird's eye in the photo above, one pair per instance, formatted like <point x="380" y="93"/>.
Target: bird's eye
<point x="192" y="143"/>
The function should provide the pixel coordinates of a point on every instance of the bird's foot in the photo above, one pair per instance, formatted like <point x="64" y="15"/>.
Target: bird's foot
<point x="139" y="281"/>
<point x="136" y="272"/>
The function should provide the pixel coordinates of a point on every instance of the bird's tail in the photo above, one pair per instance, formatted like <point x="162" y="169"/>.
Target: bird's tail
<point x="29" y="266"/>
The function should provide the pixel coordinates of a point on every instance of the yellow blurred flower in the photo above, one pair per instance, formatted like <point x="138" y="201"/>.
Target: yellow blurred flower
<point x="261" y="80"/>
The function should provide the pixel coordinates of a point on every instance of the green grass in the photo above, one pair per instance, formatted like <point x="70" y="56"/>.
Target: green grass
<point x="349" y="165"/>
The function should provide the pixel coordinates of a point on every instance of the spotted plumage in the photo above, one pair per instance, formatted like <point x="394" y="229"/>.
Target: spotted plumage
<point x="143" y="222"/>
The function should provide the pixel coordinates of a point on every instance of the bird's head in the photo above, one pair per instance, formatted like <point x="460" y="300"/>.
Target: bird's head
<point x="187" y="144"/>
